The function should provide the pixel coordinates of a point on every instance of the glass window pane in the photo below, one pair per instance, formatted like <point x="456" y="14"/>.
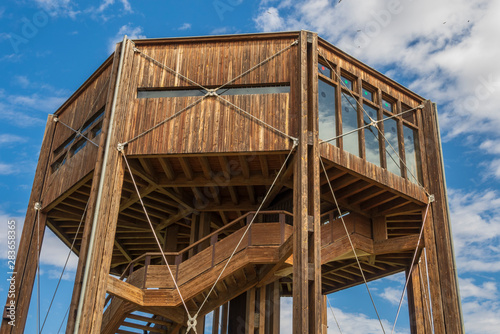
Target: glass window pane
<point x="349" y="123"/>
<point x="254" y="90"/>
<point x="325" y="70"/>
<point x="346" y="82"/>
<point x="326" y="110"/>
<point x="367" y="94"/>
<point x="371" y="137"/>
<point x="391" y="134"/>
<point x="143" y="94"/>
<point x="411" y="147"/>
<point x="387" y="105"/>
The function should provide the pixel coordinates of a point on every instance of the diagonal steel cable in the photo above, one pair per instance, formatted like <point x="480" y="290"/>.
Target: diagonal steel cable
<point x="248" y="226"/>
<point x="153" y="230"/>
<point x="210" y="92"/>
<point x="412" y="262"/>
<point x="352" y="245"/>
<point x="373" y="122"/>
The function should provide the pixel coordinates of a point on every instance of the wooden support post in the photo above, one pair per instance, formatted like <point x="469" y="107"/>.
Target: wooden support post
<point x="307" y="230"/>
<point x="313" y="175"/>
<point x="91" y="302"/>
<point x="250" y="312"/>
<point x="200" y="326"/>
<point x="262" y="310"/>
<point x="82" y="258"/>
<point x="442" y="270"/>
<point x="195" y="224"/>
<point x="215" y="321"/>
<point x="25" y="268"/>
<point x="171" y="242"/>
<point x="204" y="230"/>
<point x="300" y="200"/>
<point x="276" y="304"/>
<point x="415" y="306"/>
<point x="225" y="312"/>
<point x="324" y="315"/>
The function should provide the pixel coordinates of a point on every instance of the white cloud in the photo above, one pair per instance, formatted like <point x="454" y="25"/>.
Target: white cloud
<point x="446" y="47"/>
<point x="475" y="220"/>
<point x="487" y="290"/>
<point x="8" y="139"/>
<point x="7" y="169"/>
<point x="185" y="26"/>
<point x="481" y="317"/>
<point x="58" y="7"/>
<point x="129" y="30"/>
<point x="392" y="295"/>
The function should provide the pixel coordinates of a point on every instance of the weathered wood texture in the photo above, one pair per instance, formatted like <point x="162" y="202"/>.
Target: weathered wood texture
<point x="76" y="113"/>
<point x="300" y="199"/>
<point x="91" y="204"/>
<point x="212" y="125"/>
<point x="33" y="230"/>
<point x="107" y="214"/>
<point x="438" y="240"/>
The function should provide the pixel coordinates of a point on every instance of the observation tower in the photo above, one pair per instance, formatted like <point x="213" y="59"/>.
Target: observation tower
<point x="218" y="174"/>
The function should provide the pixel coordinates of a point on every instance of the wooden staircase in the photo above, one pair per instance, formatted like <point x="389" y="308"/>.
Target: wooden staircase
<point x="262" y="257"/>
<point x="151" y="290"/>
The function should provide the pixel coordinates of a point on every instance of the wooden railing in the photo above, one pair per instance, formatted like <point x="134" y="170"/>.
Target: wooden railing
<point x="212" y="238"/>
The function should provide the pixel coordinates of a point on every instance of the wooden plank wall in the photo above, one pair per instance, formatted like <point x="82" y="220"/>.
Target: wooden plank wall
<point x="80" y="108"/>
<point x="212" y="126"/>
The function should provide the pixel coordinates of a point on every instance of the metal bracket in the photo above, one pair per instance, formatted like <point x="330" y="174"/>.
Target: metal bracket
<point x="120" y="147"/>
<point x="38" y="206"/>
<point x="432" y="198"/>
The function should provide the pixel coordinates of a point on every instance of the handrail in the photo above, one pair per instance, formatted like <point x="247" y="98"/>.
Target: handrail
<point x="206" y="238"/>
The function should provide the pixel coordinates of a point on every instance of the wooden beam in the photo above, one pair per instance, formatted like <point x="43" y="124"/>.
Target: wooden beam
<point x="27" y="254"/>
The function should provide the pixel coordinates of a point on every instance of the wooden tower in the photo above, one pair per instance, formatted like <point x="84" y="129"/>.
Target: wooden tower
<point x="257" y="166"/>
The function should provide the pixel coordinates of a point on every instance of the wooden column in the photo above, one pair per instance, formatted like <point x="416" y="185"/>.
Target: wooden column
<point x="215" y="321"/>
<point x="26" y="259"/>
<point x="106" y="213"/>
<point x="82" y="258"/>
<point x="250" y="312"/>
<point x="306" y="235"/>
<point x="224" y="320"/>
<point x="442" y="271"/>
<point x="415" y="306"/>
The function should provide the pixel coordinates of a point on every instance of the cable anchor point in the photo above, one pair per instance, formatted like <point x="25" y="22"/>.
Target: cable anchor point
<point x="120" y="147"/>
<point x="38" y="206"/>
<point x="55" y="119"/>
<point x="191" y="324"/>
<point x="432" y="198"/>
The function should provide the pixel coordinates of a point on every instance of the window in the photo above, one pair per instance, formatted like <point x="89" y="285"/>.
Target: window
<point x="326" y="110"/>
<point x="172" y="92"/>
<point x="367" y="94"/>
<point x="75" y="142"/>
<point x="372" y="149"/>
<point x="391" y="134"/>
<point x="78" y="146"/>
<point x="350" y="123"/>
<point x="325" y="70"/>
<point x="411" y="147"/>
<point x="348" y="83"/>
<point x="387" y="105"/>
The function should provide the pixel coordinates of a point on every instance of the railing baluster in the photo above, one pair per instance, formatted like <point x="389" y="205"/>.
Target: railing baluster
<point x="282" y="228"/>
<point x="147" y="262"/>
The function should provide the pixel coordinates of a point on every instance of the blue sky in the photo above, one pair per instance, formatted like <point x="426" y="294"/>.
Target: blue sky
<point x="444" y="50"/>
